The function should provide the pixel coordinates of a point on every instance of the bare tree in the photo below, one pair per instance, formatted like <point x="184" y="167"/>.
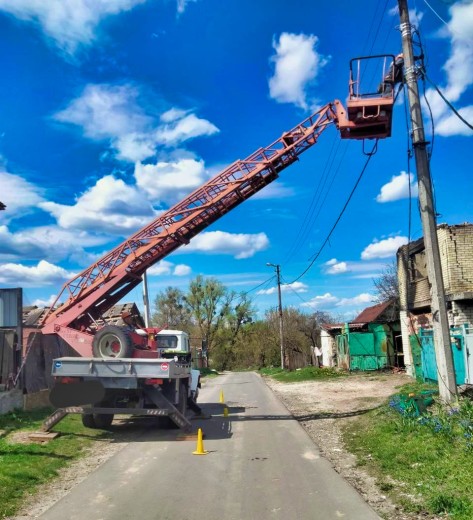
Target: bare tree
<point x="386" y="285"/>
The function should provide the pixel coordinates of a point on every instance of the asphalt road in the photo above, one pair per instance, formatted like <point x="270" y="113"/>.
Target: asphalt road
<point x="261" y="465"/>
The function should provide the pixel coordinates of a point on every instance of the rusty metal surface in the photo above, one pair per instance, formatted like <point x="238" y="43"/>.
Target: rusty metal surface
<point x="374" y="313"/>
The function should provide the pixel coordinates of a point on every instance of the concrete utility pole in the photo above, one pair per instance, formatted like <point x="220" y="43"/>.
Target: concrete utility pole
<point x="281" y="337"/>
<point x="443" y="352"/>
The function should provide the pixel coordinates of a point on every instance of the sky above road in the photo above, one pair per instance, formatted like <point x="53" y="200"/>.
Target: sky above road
<point x="111" y="111"/>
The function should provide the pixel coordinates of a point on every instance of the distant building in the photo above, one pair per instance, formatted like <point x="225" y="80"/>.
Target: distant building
<point x="372" y="341"/>
<point x="456" y="256"/>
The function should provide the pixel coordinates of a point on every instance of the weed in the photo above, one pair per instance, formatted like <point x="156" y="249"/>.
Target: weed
<point x="421" y="452"/>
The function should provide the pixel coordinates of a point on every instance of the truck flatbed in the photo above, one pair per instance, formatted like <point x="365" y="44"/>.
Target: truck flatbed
<point x="137" y="368"/>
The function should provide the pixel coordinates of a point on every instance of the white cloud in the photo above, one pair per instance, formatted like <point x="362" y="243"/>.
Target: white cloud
<point x="42" y="274"/>
<point x="165" y="268"/>
<point x="184" y="128"/>
<point x="383" y="248"/>
<point x="110" y="206"/>
<point x="47" y="242"/>
<point x="239" y="245"/>
<point x="452" y="125"/>
<point x="113" y="113"/>
<point x="182" y="4"/>
<point x="69" y="23"/>
<point x="182" y="270"/>
<point x="275" y="190"/>
<point x="296" y="66"/>
<point x="326" y="300"/>
<point x="361" y="299"/>
<point x="459" y="72"/>
<point x="335" y="267"/>
<point x="45" y="303"/>
<point x="19" y="195"/>
<point x="398" y="188"/>
<point x="170" y="181"/>
<point x="297" y="287"/>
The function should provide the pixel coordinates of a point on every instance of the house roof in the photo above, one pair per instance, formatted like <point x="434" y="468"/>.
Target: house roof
<point x="371" y="314"/>
<point x="33" y="315"/>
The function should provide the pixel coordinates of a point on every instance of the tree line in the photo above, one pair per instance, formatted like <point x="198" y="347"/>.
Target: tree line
<point x="226" y="325"/>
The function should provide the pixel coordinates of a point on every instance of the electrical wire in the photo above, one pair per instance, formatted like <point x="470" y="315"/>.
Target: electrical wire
<point x="435" y="12"/>
<point x="319" y="204"/>
<point x="448" y="103"/>
<point x="266" y="282"/>
<point x="314" y="257"/>
<point x="306" y="224"/>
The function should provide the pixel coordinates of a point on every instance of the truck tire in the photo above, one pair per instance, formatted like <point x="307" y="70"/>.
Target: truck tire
<point x="103" y="421"/>
<point x="88" y="420"/>
<point x="112" y="342"/>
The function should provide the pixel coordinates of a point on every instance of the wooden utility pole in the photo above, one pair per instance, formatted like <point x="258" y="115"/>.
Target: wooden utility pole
<point x="443" y="352"/>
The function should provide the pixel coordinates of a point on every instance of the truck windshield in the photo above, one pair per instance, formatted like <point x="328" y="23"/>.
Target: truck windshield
<point x="167" y="342"/>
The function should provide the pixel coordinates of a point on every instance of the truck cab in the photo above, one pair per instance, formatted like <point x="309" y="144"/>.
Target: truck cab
<point x="175" y="344"/>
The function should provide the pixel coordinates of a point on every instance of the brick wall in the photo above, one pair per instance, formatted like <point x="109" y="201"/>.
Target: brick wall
<point x="456" y="256"/>
<point x="461" y="313"/>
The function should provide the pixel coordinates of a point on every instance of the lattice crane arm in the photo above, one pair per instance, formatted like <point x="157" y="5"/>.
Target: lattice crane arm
<point x="91" y="293"/>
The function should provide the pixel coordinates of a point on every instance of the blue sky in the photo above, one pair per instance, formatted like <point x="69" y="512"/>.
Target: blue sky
<point x="111" y="111"/>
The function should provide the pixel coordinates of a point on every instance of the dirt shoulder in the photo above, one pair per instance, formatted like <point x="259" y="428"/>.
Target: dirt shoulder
<point x="324" y="407"/>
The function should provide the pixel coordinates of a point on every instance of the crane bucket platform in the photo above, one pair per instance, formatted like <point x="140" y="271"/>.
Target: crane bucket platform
<point x="369" y="110"/>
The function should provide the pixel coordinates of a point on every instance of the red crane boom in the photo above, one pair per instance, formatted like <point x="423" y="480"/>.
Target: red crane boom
<point x="103" y="284"/>
<point x="91" y="293"/>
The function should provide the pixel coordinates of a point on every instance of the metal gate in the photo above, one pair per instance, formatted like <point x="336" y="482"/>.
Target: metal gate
<point x="429" y="362"/>
<point x="468" y="336"/>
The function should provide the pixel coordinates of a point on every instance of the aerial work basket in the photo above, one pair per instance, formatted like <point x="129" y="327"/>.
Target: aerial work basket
<point x="371" y="97"/>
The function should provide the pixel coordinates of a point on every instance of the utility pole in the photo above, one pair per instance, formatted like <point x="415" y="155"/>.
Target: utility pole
<point x="146" y="300"/>
<point x="281" y="337"/>
<point x="443" y="352"/>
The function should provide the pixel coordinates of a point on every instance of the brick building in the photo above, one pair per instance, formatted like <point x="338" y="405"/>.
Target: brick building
<point x="456" y="256"/>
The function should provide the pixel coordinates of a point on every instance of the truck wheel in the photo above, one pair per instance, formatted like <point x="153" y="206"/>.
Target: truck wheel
<point x="112" y="342"/>
<point x="103" y="421"/>
<point x="88" y="420"/>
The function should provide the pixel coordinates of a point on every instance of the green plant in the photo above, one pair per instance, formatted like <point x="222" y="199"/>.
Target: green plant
<point x="423" y="455"/>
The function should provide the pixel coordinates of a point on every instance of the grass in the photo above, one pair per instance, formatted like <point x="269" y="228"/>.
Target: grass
<point x="425" y="464"/>
<point x="23" y="466"/>
<point x="304" y="374"/>
<point x="208" y="372"/>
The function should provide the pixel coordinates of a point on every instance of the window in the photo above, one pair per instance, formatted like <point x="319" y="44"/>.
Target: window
<point x="168" y="342"/>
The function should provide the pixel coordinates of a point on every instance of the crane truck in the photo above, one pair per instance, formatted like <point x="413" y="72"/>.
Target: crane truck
<point x="125" y="369"/>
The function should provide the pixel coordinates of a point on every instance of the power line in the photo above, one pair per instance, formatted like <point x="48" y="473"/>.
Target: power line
<point x="314" y="258"/>
<point x="318" y="202"/>
<point x="435" y="12"/>
<point x="449" y="104"/>
<point x="266" y="282"/>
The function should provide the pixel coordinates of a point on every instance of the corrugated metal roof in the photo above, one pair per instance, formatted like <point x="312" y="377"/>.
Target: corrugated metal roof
<point x="371" y="314"/>
<point x="32" y="315"/>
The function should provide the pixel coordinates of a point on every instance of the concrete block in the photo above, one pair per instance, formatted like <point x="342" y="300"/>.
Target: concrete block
<point x="36" y="400"/>
<point x="11" y="400"/>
